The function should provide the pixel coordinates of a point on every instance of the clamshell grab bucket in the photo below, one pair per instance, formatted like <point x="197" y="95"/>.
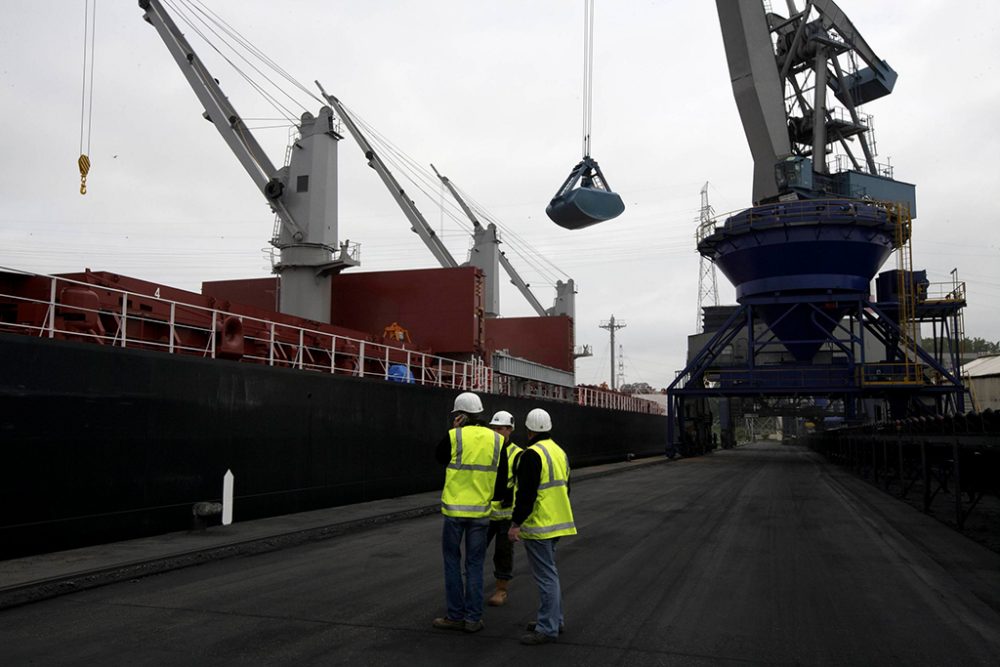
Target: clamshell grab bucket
<point x="593" y="202"/>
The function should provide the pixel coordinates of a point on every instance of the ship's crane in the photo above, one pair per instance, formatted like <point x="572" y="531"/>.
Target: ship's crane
<point x="486" y="237"/>
<point x="485" y="253"/>
<point x="416" y="218"/>
<point x="565" y="291"/>
<point x="789" y="135"/>
<point x="303" y="195"/>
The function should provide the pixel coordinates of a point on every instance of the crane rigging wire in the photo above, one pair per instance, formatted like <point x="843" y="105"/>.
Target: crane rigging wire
<point x="228" y="29"/>
<point x="585" y="198"/>
<point x="411" y="169"/>
<point x="588" y="72"/>
<point x="529" y="254"/>
<point x="424" y="182"/>
<point x="87" y="93"/>
<point x="283" y="110"/>
<point x="414" y="170"/>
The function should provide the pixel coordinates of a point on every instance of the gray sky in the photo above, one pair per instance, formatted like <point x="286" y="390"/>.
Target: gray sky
<point x="491" y="94"/>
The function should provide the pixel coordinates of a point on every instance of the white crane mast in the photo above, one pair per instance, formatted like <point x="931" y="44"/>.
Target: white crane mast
<point x="303" y="195"/>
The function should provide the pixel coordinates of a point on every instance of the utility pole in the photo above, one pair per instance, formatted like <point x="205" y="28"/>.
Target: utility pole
<point x="708" y="286"/>
<point x="621" y="366"/>
<point x="612" y="325"/>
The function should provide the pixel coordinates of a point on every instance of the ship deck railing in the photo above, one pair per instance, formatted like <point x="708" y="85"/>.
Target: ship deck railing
<point x="41" y="306"/>
<point x="602" y="398"/>
<point x="178" y="327"/>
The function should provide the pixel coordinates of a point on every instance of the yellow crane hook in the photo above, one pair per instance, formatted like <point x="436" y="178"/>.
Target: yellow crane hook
<point x="84" y="163"/>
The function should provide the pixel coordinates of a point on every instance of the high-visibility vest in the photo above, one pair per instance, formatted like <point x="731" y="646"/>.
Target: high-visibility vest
<point x="552" y="515"/>
<point x="471" y="474"/>
<point x="498" y="513"/>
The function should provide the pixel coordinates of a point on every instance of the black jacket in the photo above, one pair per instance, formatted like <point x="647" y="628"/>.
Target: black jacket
<point x="529" y="476"/>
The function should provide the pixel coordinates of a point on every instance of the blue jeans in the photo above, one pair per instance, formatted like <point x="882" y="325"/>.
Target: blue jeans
<point x="542" y="556"/>
<point x="465" y="602"/>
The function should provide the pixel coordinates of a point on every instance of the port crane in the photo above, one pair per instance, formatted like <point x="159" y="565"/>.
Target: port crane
<point x="789" y="135"/>
<point x="803" y="257"/>
<point x="303" y="194"/>
<point x="485" y="253"/>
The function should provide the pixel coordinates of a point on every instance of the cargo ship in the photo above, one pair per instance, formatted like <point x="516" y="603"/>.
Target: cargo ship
<point x="124" y="402"/>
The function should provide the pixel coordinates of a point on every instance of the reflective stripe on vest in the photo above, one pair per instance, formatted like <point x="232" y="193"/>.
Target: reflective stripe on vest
<point x="469" y="478"/>
<point x="497" y="511"/>
<point x="494" y="462"/>
<point x="552" y="515"/>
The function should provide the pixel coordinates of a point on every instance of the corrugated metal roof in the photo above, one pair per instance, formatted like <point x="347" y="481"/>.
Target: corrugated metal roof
<point x="982" y="367"/>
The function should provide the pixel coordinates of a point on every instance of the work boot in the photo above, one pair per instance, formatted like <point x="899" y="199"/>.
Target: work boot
<point x="530" y="627"/>
<point x="536" y="638"/>
<point x="448" y="624"/>
<point x="499" y="596"/>
<point x="474" y="626"/>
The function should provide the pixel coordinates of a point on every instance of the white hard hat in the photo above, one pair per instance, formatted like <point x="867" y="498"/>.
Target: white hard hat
<point x="468" y="402"/>
<point x="502" y="418"/>
<point x="538" y="421"/>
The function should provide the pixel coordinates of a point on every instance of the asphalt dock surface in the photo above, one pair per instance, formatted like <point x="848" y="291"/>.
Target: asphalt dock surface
<point x="761" y="555"/>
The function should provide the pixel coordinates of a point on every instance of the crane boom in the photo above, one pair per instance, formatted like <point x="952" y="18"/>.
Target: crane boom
<point x="302" y="194"/>
<point x="490" y="233"/>
<point x="417" y="221"/>
<point x="872" y="82"/>
<point x="515" y="277"/>
<point x="774" y="62"/>
<point x="220" y="111"/>
<point x="518" y="282"/>
<point x="757" y="87"/>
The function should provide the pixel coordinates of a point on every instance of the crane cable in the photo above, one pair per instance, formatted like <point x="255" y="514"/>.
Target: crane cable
<point x="87" y="94"/>
<point x="424" y="181"/>
<point x="404" y="165"/>
<point x="182" y="9"/>
<point x="256" y="52"/>
<point x="588" y="72"/>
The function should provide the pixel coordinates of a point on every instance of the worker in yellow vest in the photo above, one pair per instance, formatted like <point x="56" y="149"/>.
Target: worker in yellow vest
<point x="503" y="549"/>
<point x="542" y="514"/>
<point x="475" y="474"/>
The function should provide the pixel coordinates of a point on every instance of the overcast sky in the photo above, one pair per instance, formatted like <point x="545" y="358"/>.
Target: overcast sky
<point x="490" y="92"/>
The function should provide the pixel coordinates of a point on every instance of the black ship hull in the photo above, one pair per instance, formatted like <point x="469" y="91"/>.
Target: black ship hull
<point x="103" y="444"/>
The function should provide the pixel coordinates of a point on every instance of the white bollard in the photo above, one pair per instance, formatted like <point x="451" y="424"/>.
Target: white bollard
<point x="227" y="498"/>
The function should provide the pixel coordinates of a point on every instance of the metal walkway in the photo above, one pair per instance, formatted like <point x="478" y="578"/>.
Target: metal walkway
<point x="758" y="555"/>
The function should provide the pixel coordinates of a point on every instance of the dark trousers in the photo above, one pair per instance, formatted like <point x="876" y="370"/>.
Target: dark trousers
<point x="503" y="550"/>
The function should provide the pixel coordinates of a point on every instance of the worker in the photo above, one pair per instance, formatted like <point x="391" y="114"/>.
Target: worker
<point x="476" y="473"/>
<point x="542" y="514"/>
<point x="503" y="549"/>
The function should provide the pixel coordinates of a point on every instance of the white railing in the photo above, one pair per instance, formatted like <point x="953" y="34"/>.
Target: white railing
<point x="603" y="398"/>
<point x="71" y="309"/>
<point x="149" y="322"/>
